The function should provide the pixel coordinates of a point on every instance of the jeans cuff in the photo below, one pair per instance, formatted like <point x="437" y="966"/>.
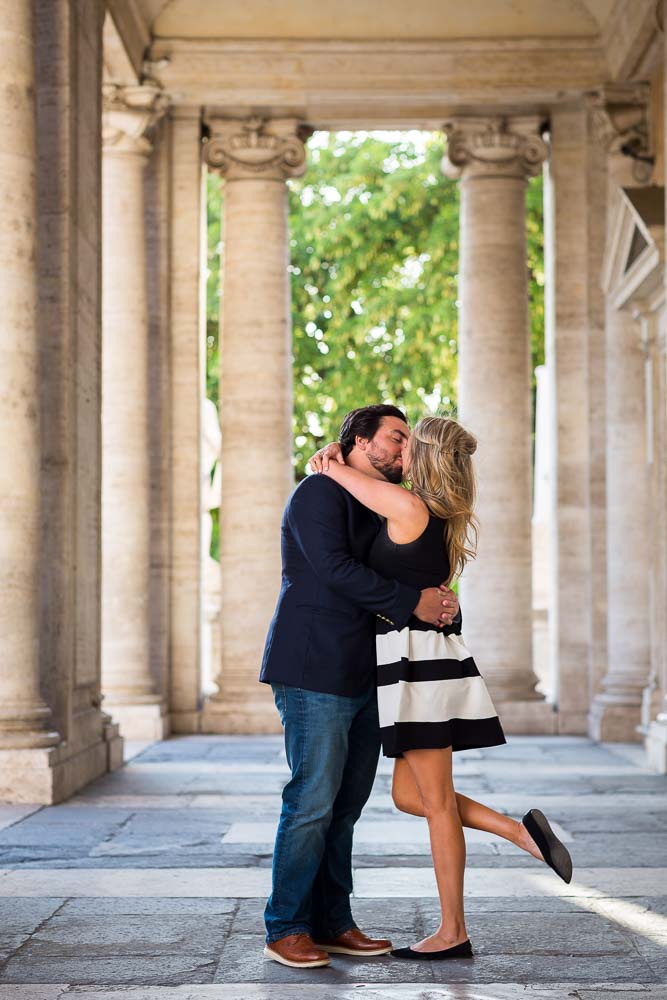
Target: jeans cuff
<point x="349" y="925"/>
<point x="271" y="938"/>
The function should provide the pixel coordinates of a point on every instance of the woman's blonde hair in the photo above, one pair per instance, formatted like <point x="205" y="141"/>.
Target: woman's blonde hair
<point x="441" y="473"/>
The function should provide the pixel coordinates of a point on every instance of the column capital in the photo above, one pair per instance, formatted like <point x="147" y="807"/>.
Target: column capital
<point x="492" y="147"/>
<point x="269" y="149"/>
<point x="128" y="113"/>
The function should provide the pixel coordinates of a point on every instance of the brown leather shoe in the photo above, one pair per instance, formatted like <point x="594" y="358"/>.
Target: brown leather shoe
<point x="355" y="942"/>
<point x="299" y="951"/>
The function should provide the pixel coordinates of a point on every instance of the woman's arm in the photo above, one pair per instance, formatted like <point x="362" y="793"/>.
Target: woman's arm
<point x="387" y="499"/>
<point x="330" y="453"/>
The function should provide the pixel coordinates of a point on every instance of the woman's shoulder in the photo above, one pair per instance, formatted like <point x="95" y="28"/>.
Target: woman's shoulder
<point x="413" y="504"/>
<point x="412" y="522"/>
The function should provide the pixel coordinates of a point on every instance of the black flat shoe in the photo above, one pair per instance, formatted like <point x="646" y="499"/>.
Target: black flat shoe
<point x="463" y="950"/>
<point x="554" y="852"/>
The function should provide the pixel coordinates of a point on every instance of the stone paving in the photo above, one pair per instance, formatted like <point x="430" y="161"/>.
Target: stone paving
<point x="150" y="884"/>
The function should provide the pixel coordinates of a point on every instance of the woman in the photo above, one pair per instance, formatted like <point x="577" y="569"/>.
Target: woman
<point x="432" y="699"/>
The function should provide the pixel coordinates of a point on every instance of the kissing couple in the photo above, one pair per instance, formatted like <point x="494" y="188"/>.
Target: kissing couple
<point x="365" y="651"/>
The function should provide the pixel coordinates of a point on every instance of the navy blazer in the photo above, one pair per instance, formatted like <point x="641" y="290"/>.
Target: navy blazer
<point x="322" y="635"/>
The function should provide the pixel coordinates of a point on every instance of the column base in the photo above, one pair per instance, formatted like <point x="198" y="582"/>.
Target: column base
<point x="115" y="745"/>
<point x="144" y="722"/>
<point x="48" y="775"/>
<point x="527" y="718"/>
<point x="572" y="723"/>
<point x="609" y="722"/>
<point x="256" y="717"/>
<point x="656" y="746"/>
<point x="185" y="722"/>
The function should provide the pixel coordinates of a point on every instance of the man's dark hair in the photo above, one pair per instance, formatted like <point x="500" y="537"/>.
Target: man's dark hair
<point x="364" y="423"/>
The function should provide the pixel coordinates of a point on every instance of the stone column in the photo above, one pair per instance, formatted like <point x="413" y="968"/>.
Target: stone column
<point x="596" y="198"/>
<point x="131" y="692"/>
<point x="494" y="158"/>
<point x="25" y="719"/>
<point x="542" y="527"/>
<point x="255" y="157"/>
<point x="566" y="225"/>
<point x="656" y="738"/>
<point x="620" y="121"/>
<point x="655" y="698"/>
<point x="187" y="225"/>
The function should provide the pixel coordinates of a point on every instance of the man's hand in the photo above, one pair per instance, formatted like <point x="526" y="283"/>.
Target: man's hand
<point x="437" y="606"/>
<point x="331" y="453"/>
<point x="450" y="603"/>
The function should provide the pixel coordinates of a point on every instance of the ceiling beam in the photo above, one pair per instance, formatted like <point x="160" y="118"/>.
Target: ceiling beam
<point x="629" y="33"/>
<point x="133" y="30"/>
<point x="340" y="83"/>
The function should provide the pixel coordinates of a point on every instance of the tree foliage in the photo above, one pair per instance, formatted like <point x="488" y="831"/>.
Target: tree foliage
<point x="374" y="260"/>
<point x="374" y="248"/>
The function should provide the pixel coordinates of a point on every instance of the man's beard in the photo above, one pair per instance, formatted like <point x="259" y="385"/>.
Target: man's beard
<point x="388" y="469"/>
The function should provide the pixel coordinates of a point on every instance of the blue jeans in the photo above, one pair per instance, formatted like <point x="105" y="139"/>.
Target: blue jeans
<point x="332" y="745"/>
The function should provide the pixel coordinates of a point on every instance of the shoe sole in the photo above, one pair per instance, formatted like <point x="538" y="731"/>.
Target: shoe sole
<point x="560" y="856"/>
<point x="275" y="957"/>
<point x="336" y="950"/>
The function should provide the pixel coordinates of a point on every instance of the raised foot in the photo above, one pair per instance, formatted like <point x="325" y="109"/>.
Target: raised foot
<point x="554" y="851"/>
<point x="526" y="843"/>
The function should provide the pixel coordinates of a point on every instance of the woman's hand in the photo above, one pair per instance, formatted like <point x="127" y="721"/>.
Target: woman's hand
<point x="331" y="453"/>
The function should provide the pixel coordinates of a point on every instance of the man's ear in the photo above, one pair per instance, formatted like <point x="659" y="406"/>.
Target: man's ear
<point x="361" y="443"/>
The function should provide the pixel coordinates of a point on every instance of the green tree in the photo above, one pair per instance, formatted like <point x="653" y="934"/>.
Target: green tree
<point x="213" y="257"/>
<point x="374" y="256"/>
<point x="374" y="260"/>
<point x="535" y="240"/>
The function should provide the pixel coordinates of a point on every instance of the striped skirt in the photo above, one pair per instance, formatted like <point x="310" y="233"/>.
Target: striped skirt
<point x="431" y="694"/>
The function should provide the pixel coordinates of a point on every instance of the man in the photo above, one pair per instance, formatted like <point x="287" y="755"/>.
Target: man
<point x="320" y="661"/>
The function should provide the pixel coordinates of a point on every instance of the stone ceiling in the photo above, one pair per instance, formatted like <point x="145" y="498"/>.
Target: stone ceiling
<point x="380" y="63"/>
<point x="388" y="19"/>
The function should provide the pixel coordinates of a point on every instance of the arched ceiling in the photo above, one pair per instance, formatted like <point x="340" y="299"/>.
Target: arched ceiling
<point x="369" y="19"/>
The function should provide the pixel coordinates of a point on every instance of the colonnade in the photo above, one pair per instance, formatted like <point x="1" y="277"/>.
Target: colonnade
<point x="90" y="393"/>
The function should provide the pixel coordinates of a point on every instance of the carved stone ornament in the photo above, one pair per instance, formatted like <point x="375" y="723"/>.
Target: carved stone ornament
<point x="493" y="147"/>
<point x="619" y="121"/>
<point x="256" y="147"/>
<point x="619" y="114"/>
<point x="128" y="114"/>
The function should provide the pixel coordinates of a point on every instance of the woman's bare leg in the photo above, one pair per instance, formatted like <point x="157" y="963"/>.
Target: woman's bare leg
<point x="474" y="815"/>
<point x="432" y="772"/>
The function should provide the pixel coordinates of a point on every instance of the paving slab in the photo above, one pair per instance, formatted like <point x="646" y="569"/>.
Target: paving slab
<point x="68" y="935"/>
<point x="388" y="882"/>
<point x="10" y="814"/>
<point x="153" y="907"/>
<point x="416" y="991"/>
<point x="380" y="834"/>
<point x="121" y="968"/>
<point x="378" y="883"/>
<point x="45" y="991"/>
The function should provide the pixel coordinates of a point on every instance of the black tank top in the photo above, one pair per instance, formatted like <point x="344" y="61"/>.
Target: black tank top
<point x="422" y="563"/>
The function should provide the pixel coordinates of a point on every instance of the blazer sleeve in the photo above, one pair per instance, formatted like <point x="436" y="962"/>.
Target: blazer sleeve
<point x="317" y="520"/>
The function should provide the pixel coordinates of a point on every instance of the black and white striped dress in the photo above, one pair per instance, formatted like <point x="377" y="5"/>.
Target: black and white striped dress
<point x="430" y="692"/>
